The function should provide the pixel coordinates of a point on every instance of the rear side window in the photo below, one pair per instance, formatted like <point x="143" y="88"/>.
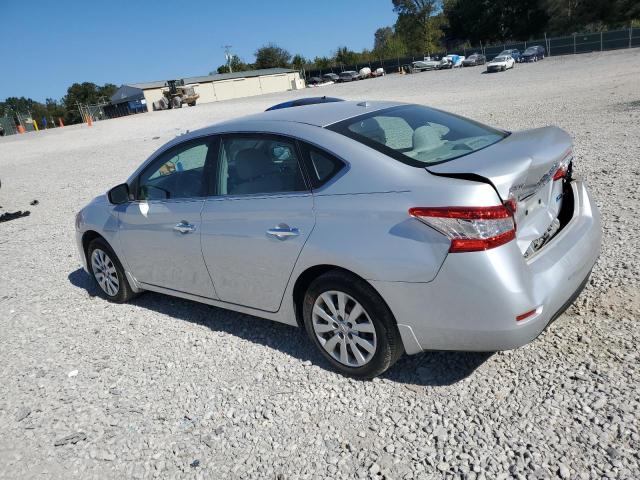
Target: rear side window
<point x="321" y="165"/>
<point x="253" y="164"/>
<point x="417" y="135"/>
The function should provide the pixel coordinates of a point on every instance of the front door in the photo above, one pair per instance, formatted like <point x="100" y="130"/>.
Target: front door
<point x="160" y="231"/>
<point x="255" y="227"/>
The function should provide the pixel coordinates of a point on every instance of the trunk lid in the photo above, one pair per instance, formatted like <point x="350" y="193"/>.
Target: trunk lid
<point x="521" y="167"/>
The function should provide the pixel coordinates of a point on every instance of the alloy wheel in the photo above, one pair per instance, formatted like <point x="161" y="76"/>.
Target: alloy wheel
<point x="105" y="272"/>
<point x="343" y="328"/>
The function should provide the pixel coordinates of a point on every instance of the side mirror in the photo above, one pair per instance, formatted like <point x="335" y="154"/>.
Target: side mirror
<point x="119" y="194"/>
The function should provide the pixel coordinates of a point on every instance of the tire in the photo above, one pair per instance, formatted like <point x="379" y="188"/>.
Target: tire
<point x="374" y="326"/>
<point x="176" y="102"/>
<point x="107" y="271"/>
<point x="504" y="68"/>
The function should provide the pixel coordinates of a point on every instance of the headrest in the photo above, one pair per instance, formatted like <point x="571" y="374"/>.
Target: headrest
<point x="427" y="137"/>
<point x="251" y="163"/>
<point x="370" y="128"/>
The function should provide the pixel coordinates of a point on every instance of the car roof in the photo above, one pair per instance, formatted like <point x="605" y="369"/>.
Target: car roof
<point x="304" y="101"/>
<point x="319" y="115"/>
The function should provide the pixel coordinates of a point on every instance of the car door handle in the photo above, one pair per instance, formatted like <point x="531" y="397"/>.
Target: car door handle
<point x="282" y="232"/>
<point x="184" y="227"/>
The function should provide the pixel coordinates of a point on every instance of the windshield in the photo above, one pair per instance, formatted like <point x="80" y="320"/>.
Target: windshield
<point x="531" y="50"/>
<point x="500" y="59"/>
<point x="418" y="135"/>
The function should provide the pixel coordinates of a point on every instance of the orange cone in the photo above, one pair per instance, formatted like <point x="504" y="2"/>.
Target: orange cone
<point x="20" y="129"/>
<point x="89" y="121"/>
<point x="60" y="122"/>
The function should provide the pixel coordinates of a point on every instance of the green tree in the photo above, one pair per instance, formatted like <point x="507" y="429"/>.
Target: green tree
<point x="419" y="24"/>
<point x="345" y="57"/>
<point x="322" y="62"/>
<point x="387" y="44"/>
<point x="298" y="62"/>
<point x="381" y="38"/>
<point x="85" y="93"/>
<point x="495" y="20"/>
<point x="271" y="56"/>
<point x="51" y="109"/>
<point x="237" y="65"/>
<point x="568" y="16"/>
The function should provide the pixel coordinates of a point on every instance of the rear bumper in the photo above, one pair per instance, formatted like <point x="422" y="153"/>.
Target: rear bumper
<point x="473" y="302"/>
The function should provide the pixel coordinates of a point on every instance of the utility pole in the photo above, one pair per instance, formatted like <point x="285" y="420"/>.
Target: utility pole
<point x="229" y="56"/>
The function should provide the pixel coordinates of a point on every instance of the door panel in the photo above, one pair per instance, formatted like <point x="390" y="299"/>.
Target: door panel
<point x="158" y="252"/>
<point x="254" y="230"/>
<point x="160" y="232"/>
<point x="249" y="265"/>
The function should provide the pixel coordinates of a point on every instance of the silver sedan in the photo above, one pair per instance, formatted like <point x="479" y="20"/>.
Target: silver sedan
<point x="379" y="227"/>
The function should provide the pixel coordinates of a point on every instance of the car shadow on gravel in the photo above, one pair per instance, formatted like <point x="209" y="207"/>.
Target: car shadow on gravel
<point x="425" y="369"/>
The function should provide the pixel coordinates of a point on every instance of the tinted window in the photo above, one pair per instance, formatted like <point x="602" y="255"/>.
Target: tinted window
<point x="322" y="166"/>
<point x="418" y="135"/>
<point x="176" y="173"/>
<point x="250" y="164"/>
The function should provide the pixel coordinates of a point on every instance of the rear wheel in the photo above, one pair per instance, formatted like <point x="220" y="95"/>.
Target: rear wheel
<point x="351" y="325"/>
<point x="162" y="104"/>
<point x="108" y="273"/>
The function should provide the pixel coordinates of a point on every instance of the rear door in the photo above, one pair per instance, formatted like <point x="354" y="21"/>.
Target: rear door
<point x="159" y="231"/>
<point x="254" y="228"/>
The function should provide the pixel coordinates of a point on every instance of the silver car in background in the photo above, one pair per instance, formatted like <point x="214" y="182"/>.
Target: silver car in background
<point x="379" y="227"/>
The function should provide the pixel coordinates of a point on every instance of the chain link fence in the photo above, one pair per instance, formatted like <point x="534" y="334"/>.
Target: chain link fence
<point x="7" y="126"/>
<point x="566" y="45"/>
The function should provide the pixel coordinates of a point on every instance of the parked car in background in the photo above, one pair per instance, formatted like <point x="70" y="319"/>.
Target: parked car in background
<point x="364" y="72"/>
<point x="428" y="63"/>
<point x="501" y="63"/>
<point x="474" y="59"/>
<point x="514" y="52"/>
<point x="533" y="54"/>
<point x="349" y="76"/>
<point x="304" y="101"/>
<point x="451" y="61"/>
<point x="314" y="81"/>
<point x="331" y="77"/>
<point x="378" y="227"/>
<point x="378" y="72"/>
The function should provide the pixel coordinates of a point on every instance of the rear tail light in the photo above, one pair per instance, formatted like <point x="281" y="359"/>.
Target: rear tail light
<point x="470" y="229"/>
<point x="561" y="172"/>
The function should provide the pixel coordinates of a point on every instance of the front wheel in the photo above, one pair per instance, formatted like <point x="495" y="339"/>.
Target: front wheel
<point x="351" y="325"/>
<point x="108" y="273"/>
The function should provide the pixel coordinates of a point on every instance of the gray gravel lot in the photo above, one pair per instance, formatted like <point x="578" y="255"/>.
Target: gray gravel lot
<point x="169" y="388"/>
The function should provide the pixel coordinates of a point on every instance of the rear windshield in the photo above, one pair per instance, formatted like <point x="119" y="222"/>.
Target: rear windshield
<point x="417" y="135"/>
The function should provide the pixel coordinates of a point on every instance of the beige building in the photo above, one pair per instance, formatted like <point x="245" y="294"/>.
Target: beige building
<point x="225" y="86"/>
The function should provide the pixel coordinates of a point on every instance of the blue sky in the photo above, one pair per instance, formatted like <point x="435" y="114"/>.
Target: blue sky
<point x="50" y="44"/>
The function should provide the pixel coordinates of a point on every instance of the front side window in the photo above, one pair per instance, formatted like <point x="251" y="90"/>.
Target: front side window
<point x="176" y="173"/>
<point x="417" y="135"/>
<point x="252" y="164"/>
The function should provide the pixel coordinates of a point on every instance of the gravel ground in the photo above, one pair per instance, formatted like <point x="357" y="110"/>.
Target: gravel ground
<point x="169" y="388"/>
